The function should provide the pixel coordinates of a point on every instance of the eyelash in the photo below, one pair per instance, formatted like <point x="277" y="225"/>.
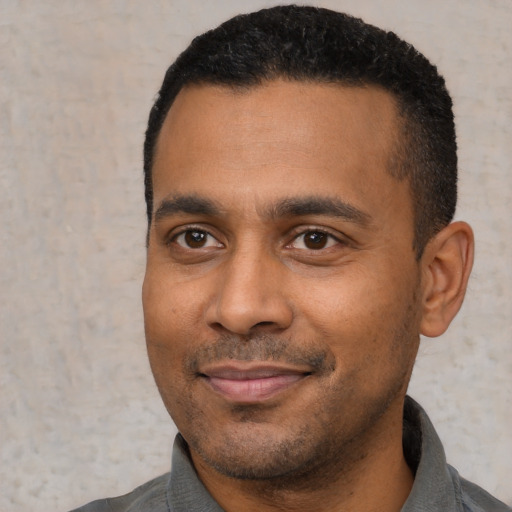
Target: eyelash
<point x="189" y="229"/>
<point x="296" y="236"/>
<point x="328" y="237"/>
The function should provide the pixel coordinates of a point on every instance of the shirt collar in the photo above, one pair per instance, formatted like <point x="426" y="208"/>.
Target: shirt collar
<point x="433" y="488"/>
<point x="185" y="492"/>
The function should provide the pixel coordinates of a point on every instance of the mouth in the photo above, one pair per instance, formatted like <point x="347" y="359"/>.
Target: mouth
<point x="251" y="382"/>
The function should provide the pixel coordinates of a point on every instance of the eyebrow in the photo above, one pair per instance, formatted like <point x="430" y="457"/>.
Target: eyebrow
<point x="312" y="205"/>
<point x="288" y="207"/>
<point x="191" y="204"/>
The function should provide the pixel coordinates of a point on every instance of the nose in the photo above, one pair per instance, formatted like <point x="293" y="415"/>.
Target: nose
<point x="250" y="296"/>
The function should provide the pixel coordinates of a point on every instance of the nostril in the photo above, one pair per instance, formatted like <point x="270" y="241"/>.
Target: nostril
<point x="244" y="309"/>
<point x="262" y="324"/>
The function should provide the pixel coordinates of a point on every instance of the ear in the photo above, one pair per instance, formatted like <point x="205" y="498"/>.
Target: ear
<point x="447" y="262"/>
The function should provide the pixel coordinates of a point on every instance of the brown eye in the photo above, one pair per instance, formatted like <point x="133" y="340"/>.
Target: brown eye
<point x="315" y="239"/>
<point x="196" y="239"/>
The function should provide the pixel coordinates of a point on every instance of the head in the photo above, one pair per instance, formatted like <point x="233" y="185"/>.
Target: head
<point x="308" y="44"/>
<point x="300" y="179"/>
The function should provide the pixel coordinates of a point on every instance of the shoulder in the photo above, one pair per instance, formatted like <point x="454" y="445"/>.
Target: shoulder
<point x="149" y="496"/>
<point x="437" y="485"/>
<point x="476" y="499"/>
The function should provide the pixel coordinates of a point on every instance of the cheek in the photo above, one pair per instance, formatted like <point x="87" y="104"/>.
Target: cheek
<point x="165" y="339"/>
<point x="169" y="307"/>
<point x="359" y="313"/>
<point x="354" y="296"/>
<point x="163" y="322"/>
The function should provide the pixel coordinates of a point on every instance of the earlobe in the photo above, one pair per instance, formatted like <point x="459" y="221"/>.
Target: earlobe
<point x="447" y="262"/>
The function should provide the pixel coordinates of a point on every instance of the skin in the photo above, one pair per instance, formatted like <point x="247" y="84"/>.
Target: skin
<point x="283" y="301"/>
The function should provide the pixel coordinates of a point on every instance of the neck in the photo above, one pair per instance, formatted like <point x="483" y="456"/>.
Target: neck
<point x="373" y="477"/>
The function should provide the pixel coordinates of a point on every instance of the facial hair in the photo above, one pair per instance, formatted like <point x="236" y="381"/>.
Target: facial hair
<point x="284" y="463"/>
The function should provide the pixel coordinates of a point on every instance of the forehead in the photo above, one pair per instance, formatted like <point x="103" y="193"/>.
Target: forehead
<point x="356" y="112"/>
<point x="281" y="134"/>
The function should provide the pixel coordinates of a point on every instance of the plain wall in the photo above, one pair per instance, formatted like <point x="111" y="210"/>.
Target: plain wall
<point x="80" y="417"/>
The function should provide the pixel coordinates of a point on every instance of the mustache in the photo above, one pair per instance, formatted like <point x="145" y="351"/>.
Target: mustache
<point x="258" y="348"/>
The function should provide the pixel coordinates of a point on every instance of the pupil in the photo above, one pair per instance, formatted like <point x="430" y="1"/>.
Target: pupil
<point x="195" y="238"/>
<point x="315" y="240"/>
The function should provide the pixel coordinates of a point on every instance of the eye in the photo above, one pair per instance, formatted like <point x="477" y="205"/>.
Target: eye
<point x="314" y="240"/>
<point x="196" y="239"/>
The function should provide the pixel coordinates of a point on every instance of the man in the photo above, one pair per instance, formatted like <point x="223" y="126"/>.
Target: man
<point x="300" y="174"/>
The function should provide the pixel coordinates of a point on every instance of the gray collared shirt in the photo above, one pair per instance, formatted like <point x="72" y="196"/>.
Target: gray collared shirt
<point x="437" y="486"/>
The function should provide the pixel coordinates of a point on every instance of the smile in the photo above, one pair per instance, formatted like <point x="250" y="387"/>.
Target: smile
<point x="249" y="383"/>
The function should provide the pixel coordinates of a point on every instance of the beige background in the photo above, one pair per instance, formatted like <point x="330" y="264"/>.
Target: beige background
<point x="79" y="414"/>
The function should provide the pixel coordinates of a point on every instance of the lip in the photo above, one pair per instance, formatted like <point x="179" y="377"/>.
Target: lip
<point x="249" y="382"/>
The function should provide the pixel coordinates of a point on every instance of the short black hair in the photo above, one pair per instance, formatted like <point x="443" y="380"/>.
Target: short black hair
<point x="310" y="44"/>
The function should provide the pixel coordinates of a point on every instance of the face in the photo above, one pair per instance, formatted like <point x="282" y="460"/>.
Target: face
<point x="281" y="292"/>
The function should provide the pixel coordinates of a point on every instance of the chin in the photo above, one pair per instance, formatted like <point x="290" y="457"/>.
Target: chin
<point x="259" y="452"/>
